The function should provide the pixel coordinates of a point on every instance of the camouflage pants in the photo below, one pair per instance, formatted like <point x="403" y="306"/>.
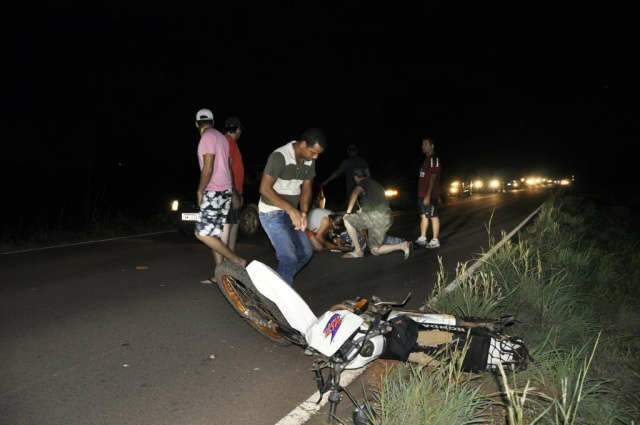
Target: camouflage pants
<point x="377" y="224"/>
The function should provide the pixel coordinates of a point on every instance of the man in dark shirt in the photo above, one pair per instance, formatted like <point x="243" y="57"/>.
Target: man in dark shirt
<point x="346" y="167"/>
<point x="429" y="194"/>
<point x="374" y="216"/>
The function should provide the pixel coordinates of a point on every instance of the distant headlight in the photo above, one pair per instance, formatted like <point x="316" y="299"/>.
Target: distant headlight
<point x="478" y="184"/>
<point x="565" y="182"/>
<point x="515" y="184"/>
<point x="494" y="184"/>
<point x="453" y="190"/>
<point x="455" y="184"/>
<point x="175" y="205"/>
<point x="390" y="193"/>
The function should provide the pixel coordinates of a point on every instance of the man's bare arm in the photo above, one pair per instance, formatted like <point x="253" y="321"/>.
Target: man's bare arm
<point x="323" y="231"/>
<point x="205" y="175"/>
<point x="335" y="174"/>
<point x="305" y="197"/>
<point x="354" y="197"/>
<point x="427" y="198"/>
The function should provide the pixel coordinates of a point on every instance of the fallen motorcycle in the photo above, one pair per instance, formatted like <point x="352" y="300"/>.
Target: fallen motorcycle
<point x="356" y="332"/>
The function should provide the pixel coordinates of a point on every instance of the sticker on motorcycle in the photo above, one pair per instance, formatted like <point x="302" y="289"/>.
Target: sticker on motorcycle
<point x="332" y="326"/>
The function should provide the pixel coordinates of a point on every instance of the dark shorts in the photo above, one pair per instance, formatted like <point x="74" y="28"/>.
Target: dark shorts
<point x="430" y="211"/>
<point x="234" y="216"/>
<point x="377" y="224"/>
<point x="214" y="210"/>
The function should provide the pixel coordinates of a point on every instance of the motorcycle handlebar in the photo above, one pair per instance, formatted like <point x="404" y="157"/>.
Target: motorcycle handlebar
<point x="377" y="302"/>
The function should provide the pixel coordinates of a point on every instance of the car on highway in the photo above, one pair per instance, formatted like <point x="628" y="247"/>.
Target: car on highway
<point x="185" y="212"/>
<point x="400" y="191"/>
<point x="514" y="184"/>
<point x="459" y="188"/>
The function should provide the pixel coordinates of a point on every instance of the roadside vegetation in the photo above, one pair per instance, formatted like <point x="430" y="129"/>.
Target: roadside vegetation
<point x="573" y="281"/>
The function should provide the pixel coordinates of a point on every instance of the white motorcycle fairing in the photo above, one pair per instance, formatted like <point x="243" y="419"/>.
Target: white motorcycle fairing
<point x="332" y="330"/>
<point x="300" y="317"/>
<point x="269" y="283"/>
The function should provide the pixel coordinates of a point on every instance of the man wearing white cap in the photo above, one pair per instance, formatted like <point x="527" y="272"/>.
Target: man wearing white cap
<point x="215" y="190"/>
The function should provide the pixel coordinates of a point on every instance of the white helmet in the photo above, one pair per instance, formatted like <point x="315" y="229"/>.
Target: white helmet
<point x="204" y="115"/>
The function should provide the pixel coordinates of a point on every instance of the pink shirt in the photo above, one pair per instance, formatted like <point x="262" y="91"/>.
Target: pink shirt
<point x="213" y="142"/>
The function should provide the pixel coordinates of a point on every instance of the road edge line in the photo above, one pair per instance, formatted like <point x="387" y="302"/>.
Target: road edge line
<point x="22" y="251"/>
<point x="471" y="270"/>
<point x="305" y="410"/>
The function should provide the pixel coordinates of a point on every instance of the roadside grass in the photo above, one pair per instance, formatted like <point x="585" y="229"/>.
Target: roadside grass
<point x="441" y="395"/>
<point x="573" y="281"/>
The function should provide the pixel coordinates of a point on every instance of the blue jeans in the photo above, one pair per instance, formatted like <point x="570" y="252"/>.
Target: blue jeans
<point x="293" y="249"/>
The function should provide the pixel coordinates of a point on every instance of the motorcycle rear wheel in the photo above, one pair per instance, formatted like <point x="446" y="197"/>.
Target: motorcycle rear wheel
<point x="260" y="313"/>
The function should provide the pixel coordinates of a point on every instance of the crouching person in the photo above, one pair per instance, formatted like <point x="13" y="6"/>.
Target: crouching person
<point x="374" y="216"/>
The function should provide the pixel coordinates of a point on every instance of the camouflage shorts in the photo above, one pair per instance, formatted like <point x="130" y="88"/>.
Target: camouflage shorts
<point x="214" y="210"/>
<point x="377" y="224"/>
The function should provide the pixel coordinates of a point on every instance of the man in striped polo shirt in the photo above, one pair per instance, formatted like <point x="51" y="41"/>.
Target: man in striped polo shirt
<point x="285" y="198"/>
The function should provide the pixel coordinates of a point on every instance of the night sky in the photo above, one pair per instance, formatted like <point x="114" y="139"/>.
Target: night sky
<point x="104" y="96"/>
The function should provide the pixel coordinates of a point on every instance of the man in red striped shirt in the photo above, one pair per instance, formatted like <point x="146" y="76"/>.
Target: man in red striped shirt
<point x="429" y="194"/>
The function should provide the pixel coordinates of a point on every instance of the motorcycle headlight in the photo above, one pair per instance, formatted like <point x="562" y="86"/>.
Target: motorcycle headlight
<point x="175" y="205"/>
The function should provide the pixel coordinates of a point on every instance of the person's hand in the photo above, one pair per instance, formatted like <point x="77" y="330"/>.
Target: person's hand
<point x="304" y="221"/>
<point x="296" y="219"/>
<point x="426" y="201"/>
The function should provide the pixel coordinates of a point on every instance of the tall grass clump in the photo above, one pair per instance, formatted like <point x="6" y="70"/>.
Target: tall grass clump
<point x="576" y="295"/>
<point x="441" y="395"/>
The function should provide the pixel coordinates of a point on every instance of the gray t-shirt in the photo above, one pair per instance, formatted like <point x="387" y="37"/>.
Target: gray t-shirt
<point x="315" y="217"/>
<point x="289" y="175"/>
<point x="372" y="199"/>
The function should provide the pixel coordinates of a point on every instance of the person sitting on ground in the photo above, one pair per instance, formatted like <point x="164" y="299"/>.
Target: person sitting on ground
<point x="374" y="216"/>
<point x="320" y="230"/>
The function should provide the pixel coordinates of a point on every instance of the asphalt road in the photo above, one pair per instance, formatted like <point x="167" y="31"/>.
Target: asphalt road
<point x="125" y="333"/>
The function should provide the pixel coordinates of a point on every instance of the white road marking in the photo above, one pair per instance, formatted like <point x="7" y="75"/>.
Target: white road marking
<point x="308" y="408"/>
<point x="84" y="243"/>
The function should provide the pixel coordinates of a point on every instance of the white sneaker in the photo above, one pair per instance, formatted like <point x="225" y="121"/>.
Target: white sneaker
<point x="421" y="241"/>
<point x="433" y="243"/>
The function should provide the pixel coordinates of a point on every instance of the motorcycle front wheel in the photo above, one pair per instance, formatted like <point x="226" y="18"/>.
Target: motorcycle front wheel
<point x="260" y="313"/>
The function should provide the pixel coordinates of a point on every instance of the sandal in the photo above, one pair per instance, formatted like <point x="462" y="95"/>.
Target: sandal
<point x="410" y="252"/>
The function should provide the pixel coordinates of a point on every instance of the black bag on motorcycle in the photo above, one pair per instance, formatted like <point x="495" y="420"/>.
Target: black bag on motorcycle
<point x="403" y="340"/>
